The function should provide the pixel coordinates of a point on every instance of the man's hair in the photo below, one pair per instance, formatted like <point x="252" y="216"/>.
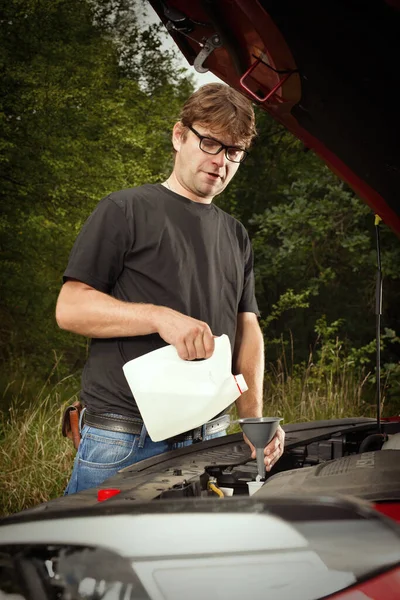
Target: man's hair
<point x="224" y="110"/>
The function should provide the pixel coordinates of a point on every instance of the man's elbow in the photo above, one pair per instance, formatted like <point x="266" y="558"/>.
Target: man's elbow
<point x="66" y="309"/>
<point x="62" y="316"/>
<point x="69" y="306"/>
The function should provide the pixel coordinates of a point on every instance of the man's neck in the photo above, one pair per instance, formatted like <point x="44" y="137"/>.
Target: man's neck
<point x="173" y="185"/>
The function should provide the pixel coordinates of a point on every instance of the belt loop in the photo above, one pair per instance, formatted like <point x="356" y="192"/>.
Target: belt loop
<point x="81" y="418"/>
<point x="142" y="436"/>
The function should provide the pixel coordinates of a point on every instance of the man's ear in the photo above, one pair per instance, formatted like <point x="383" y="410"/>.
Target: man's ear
<point x="178" y="136"/>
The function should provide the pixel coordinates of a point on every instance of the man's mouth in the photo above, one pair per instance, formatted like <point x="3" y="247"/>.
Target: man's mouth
<point x="214" y="175"/>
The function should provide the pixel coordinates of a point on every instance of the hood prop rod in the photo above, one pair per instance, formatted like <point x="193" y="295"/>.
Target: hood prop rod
<point x="378" y="312"/>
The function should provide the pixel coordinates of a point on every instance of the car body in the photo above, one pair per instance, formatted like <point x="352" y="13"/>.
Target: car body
<point x="325" y="524"/>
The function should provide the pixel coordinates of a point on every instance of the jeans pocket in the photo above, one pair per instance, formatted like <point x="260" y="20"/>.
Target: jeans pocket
<point x="107" y="449"/>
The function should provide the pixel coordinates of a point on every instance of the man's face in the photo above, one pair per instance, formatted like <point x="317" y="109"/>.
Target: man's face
<point x="202" y="175"/>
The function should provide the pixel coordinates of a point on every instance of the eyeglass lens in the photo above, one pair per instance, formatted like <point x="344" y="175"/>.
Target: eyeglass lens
<point x="213" y="147"/>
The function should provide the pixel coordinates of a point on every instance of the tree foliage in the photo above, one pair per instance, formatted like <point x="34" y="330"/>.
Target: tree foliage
<point x="86" y="107"/>
<point x="87" y="101"/>
<point x="314" y="245"/>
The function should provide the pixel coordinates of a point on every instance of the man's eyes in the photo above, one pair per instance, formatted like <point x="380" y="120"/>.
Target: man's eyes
<point x="213" y="145"/>
<point x="209" y="143"/>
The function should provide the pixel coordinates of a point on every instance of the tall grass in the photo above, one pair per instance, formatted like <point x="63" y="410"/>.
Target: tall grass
<point x="309" y="392"/>
<point x="330" y="385"/>
<point x="36" y="460"/>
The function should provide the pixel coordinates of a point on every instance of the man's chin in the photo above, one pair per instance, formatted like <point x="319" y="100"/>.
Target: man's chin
<point x="209" y="189"/>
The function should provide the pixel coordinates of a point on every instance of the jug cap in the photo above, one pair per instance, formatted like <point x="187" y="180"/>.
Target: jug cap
<point x="241" y="383"/>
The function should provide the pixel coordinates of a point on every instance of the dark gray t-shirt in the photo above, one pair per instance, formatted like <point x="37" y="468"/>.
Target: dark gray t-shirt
<point x="151" y="245"/>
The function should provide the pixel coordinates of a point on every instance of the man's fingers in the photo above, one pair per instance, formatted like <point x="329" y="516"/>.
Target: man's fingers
<point x="191" y="349"/>
<point x="209" y="343"/>
<point x="182" y="350"/>
<point x="274" y="450"/>
<point x="199" y="347"/>
<point x="272" y="446"/>
<point x="250" y="445"/>
<point x="272" y="459"/>
<point x="278" y="441"/>
<point x="281" y="436"/>
<point x="195" y="344"/>
<point x="192" y="338"/>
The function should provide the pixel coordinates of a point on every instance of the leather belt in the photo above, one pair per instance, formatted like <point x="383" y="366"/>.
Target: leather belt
<point x="116" y="423"/>
<point x="124" y="424"/>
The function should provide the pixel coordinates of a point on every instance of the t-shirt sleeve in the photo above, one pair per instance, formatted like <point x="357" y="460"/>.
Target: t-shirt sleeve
<point x="97" y="257"/>
<point x="248" y="302"/>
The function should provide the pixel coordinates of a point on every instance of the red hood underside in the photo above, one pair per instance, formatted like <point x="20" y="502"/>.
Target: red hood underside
<point x="326" y="71"/>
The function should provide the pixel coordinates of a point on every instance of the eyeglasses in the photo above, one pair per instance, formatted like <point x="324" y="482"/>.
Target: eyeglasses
<point x="211" y="146"/>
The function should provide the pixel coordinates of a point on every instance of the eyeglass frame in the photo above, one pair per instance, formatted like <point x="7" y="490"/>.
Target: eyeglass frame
<point x="222" y="146"/>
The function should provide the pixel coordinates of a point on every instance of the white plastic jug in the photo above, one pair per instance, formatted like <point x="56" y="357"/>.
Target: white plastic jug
<point x="175" y="395"/>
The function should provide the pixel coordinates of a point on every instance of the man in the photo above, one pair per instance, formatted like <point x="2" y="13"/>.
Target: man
<point x="161" y="264"/>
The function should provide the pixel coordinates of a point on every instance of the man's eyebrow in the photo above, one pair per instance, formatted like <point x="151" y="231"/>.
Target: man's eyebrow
<point x="211" y="137"/>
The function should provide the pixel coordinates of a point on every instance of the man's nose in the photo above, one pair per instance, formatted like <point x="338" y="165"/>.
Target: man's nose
<point x="219" y="159"/>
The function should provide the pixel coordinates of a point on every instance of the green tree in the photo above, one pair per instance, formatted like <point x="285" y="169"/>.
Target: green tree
<point x="314" y="244"/>
<point x="86" y="107"/>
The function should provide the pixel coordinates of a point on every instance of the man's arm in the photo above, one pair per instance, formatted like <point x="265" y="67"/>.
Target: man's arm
<point x="84" y="310"/>
<point x="248" y="359"/>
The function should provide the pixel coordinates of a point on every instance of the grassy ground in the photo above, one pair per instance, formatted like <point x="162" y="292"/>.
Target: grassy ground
<point x="313" y="392"/>
<point x="36" y="460"/>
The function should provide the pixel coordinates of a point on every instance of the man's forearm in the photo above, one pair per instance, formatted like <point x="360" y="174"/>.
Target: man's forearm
<point x="84" y="310"/>
<point x="249" y="355"/>
<point x="249" y="360"/>
<point x="94" y="314"/>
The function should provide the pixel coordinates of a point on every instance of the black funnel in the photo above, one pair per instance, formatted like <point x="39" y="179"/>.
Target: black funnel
<point x="260" y="432"/>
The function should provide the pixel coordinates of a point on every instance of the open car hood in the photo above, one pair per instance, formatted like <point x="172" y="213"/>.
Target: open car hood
<point x="325" y="71"/>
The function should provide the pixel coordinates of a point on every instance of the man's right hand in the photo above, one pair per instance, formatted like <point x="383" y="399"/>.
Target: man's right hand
<point x="191" y="338"/>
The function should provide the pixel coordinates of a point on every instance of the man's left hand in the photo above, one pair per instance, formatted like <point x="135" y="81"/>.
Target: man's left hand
<point x="272" y="451"/>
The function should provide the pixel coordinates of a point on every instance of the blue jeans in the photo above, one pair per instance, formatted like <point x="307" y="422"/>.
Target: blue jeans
<point x="102" y="453"/>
